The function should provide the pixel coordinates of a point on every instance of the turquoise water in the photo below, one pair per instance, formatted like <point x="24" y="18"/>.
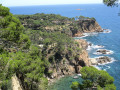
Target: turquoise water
<point x="64" y="83"/>
<point x="107" y="17"/>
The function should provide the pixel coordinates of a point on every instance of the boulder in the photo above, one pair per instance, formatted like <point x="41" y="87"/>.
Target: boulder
<point x="103" y="51"/>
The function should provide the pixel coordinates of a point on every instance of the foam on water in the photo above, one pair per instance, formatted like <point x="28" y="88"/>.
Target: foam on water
<point x="92" y="46"/>
<point x="106" y="65"/>
<point x="107" y="31"/>
<point x="107" y="53"/>
<point x="96" y="66"/>
<point x="90" y="34"/>
<point x="112" y="60"/>
<point x="106" y="17"/>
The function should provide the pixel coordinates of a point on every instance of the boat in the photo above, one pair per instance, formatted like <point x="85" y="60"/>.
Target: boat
<point x="79" y="75"/>
<point x="78" y="9"/>
<point x="75" y="77"/>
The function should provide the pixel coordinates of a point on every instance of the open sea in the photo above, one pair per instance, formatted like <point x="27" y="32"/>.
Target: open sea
<point x="107" y="17"/>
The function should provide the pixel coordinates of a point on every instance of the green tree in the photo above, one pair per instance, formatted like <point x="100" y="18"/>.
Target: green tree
<point x="75" y="85"/>
<point x="10" y="27"/>
<point x="93" y="78"/>
<point x="111" y="2"/>
<point x="4" y="11"/>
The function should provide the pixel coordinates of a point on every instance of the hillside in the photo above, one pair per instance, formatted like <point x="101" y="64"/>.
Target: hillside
<point x="57" y="23"/>
<point x="41" y="46"/>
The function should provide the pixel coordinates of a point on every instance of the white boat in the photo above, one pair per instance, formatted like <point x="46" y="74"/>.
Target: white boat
<point x="75" y="77"/>
<point x="79" y="75"/>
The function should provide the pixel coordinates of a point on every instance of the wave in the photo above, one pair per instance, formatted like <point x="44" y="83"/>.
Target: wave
<point x="97" y="67"/>
<point x="94" y="33"/>
<point x="92" y="46"/>
<point x="105" y="64"/>
<point x="111" y="58"/>
<point x="107" y="67"/>
<point x="90" y="34"/>
<point x="106" y="31"/>
<point x="100" y="68"/>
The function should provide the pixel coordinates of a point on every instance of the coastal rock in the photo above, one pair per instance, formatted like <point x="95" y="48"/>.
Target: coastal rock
<point x="100" y="60"/>
<point x="78" y="34"/>
<point x="16" y="85"/>
<point x="93" y="61"/>
<point x="82" y="43"/>
<point x="103" y="51"/>
<point x="88" y="26"/>
<point x="85" y="58"/>
<point x="104" y="59"/>
<point x="70" y="67"/>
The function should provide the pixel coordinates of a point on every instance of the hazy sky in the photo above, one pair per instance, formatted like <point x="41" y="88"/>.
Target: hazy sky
<point x="45" y="2"/>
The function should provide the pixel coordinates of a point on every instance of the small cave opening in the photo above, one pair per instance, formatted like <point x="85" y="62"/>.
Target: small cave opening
<point x="46" y="71"/>
<point x="82" y="63"/>
<point x="76" y="69"/>
<point x="58" y="57"/>
<point x="51" y="59"/>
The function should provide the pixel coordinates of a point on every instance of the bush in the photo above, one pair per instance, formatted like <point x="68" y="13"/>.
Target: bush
<point x="75" y="85"/>
<point x="98" y="79"/>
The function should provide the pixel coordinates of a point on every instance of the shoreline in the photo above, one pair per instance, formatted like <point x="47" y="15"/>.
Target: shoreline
<point x="100" y="50"/>
<point x="54" y="80"/>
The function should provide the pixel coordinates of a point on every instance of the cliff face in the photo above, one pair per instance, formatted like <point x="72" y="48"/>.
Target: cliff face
<point x="72" y="67"/>
<point x="69" y="67"/>
<point x="88" y="26"/>
<point x="56" y="23"/>
<point x="84" y="55"/>
<point x="68" y="58"/>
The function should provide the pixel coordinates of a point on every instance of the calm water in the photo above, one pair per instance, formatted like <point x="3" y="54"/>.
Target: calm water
<point x="107" y="17"/>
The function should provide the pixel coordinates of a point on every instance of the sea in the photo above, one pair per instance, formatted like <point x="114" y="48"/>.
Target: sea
<point x="107" y="17"/>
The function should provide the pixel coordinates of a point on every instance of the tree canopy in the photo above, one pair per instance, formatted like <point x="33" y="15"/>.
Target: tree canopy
<point x="94" y="79"/>
<point x="21" y="52"/>
<point x="111" y="2"/>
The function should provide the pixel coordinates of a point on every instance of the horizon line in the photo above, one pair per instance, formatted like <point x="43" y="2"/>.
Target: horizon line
<point x="51" y="4"/>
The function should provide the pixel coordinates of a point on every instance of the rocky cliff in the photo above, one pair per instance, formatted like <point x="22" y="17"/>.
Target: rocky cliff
<point x="87" y="26"/>
<point x="56" y="23"/>
<point x="65" y="56"/>
<point x="67" y="67"/>
<point x="70" y="67"/>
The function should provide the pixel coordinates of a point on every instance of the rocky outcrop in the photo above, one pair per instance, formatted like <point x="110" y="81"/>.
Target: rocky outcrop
<point x="87" y="26"/>
<point x="16" y="83"/>
<point x="69" y="67"/>
<point x="100" y="60"/>
<point x="103" y="59"/>
<point x="74" y="56"/>
<point x="82" y="43"/>
<point x="103" y="51"/>
<point x="84" y="55"/>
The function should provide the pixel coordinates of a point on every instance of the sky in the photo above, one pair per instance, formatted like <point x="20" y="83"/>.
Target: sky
<point x="46" y="2"/>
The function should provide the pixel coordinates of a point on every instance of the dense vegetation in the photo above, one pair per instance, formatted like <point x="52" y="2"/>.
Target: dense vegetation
<point x="29" y="53"/>
<point x="111" y="2"/>
<point x="30" y="66"/>
<point x="53" y="23"/>
<point x="30" y="49"/>
<point x="94" y="79"/>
